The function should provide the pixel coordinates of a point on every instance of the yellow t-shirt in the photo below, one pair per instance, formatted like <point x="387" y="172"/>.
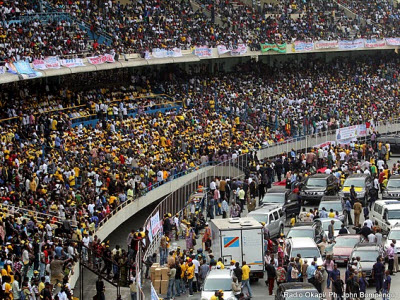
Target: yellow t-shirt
<point x="245" y="272"/>
<point x="331" y="215"/>
<point x="190" y="272"/>
<point x="221" y="265"/>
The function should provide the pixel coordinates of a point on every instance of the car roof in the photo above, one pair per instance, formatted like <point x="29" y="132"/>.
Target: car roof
<point x="303" y="242"/>
<point x="303" y="225"/>
<point x="331" y="198"/>
<point x="323" y="220"/>
<point x="358" y="175"/>
<point x="266" y="208"/>
<point x="320" y="175"/>
<point x="389" y="204"/>
<point x="394" y="177"/>
<point x="348" y="236"/>
<point x="366" y="246"/>
<point x="296" y="286"/>
<point x="219" y="273"/>
<point x="277" y="189"/>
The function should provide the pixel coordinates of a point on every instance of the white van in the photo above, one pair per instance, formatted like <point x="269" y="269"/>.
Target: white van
<point x="306" y="247"/>
<point x="273" y="216"/>
<point x="386" y="213"/>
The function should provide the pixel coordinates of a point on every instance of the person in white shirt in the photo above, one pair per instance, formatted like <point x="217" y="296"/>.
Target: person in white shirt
<point x="369" y="223"/>
<point x="371" y="238"/>
<point x="213" y="186"/>
<point x="378" y="237"/>
<point x="396" y="257"/>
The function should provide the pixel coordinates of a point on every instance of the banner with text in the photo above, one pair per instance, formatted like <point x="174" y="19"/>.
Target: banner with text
<point x="300" y="46"/>
<point x="280" y="48"/>
<point x="326" y="45"/>
<point x="163" y="53"/>
<point x="23" y="67"/>
<point x="72" y="62"/>
<point x="393" y="42"/>
<point x="155" y="223"/>
<point x="98" y="60"/>
<point x="240" y="50"/>
<point x="374" y="43"/>
<point x="202" y="51"/>
<point x="51" y="62"/>
<point x="222" y="49"/>
<point x="351" y="132"/>
<point x="345" y="44"/>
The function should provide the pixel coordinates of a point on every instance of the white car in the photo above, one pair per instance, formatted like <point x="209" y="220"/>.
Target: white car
<point x="306" y="247"/>
<point x="394" y="234"/>
<point x="218" y="280"/>
<point x="325" y="225"/>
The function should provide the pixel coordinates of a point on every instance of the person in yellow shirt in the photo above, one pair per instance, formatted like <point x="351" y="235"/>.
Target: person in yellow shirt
<point x="220" y="264"/>
<point x="331" y="214"/>
<point x="190" y="276"/>
<point x="246" y="278"/>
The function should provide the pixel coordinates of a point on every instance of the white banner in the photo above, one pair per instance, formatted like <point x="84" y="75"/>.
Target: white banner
<point x="393" y="42"/>
<point x="222" y="49"/>
<point x="326" y="44"/>
<point x="351" y="132"/>
<point x="98" y="60"/>
<point x="240" y="50"/>
<point x="155" y="223"/>
<point x="163" y="53"/>
<point x="374" y="43"/>
<point x="51" y="62"/>
<point x="202" y="51"/>
<point x="153" y="293"/>
<point x="300" y="46"/>
<point x="326" y="144"/>
<point x="359" y="43"/>
<point x="72" y="62"/>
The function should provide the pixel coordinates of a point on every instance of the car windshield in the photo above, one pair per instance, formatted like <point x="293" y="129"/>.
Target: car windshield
<point x="336" y="206"/>
<point x="336" y="226"/>
<point x="215" y="284"/>
<point x="393" y="183"/>
<point x="314" y="182"/>
<point x="394" y="214"/>
<point x="366" y="255"/>
<point x="359" y="182"/>
<point x="394" y="235"/>
<point x="274" y="198"/>
<point x="307" y="252"/>
<point x="346" y="242"/>
<point x="301" y="233"/>
<point x="260" y="218"/>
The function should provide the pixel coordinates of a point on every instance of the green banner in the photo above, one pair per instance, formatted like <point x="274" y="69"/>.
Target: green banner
<point x="281" y="48"/>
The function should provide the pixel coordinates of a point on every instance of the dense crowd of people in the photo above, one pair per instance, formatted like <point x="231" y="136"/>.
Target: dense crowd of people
<point x="233" y="197"/>
<point x="137" y="27"/>
<point x="76" y="175"/>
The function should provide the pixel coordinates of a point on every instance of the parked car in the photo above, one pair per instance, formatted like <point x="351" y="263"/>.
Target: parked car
<point x="218" y="280"/>
<point x="386" y="213"/>
<point x="318" y="185"/>
<point x="368" y="252"/>
<point x="394" y="234"/>
<point x="306" y="247"/>
<point x="280" y="195"/>
<point x="392" y="190"/>
<point x="342" y="247"/>
<point x="362" y="185"/>
<point x="335" y="203"/>
<point x="273" y="216"/>
<point x="306" y="230"/>
<point x="324" y="223"/>
<point x="296" y="291"/>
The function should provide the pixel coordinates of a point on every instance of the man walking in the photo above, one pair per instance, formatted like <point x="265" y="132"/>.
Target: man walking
<point x="357" y="212"/>
<point x="377" y="274"/>
<point x="348" y="212"/>
<point x="271" y="272"/>
<point x="386" y="285"/>
<point x="246" y="278"/>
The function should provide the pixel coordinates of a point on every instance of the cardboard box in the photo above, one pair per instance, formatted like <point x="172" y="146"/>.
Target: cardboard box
<point x="157" y="272"/>
<point x="154" y="267"/>
<point x="164" y="287"/>
<point x="157" y="285"/>
<point x="152" y="277"/>
<point x="164" y="273"/>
